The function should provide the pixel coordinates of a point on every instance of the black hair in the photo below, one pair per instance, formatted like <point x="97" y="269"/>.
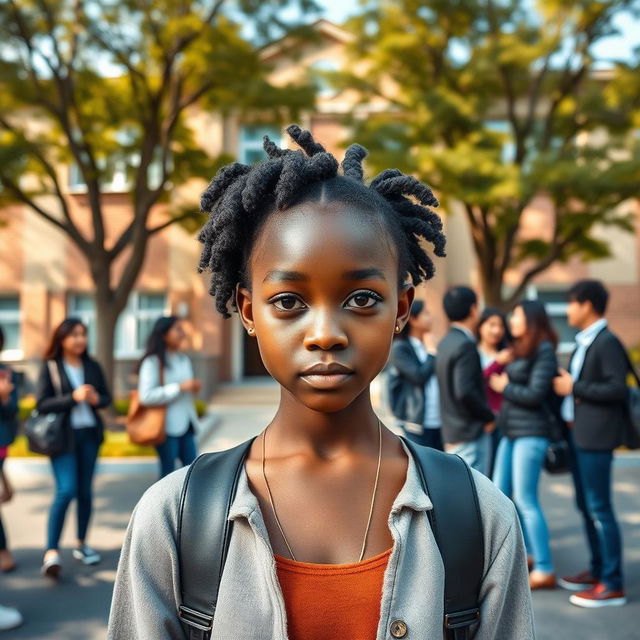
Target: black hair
<point x="592" y="291"/>
<point x="156" y="345"/>
<point x="539" y="329"/>
<point x="54" y="350"/>
<point x="491" y="312"/>
<point x="417" y="307"/>
<point x="241" y="197"/>
<point x="457" y="303"/>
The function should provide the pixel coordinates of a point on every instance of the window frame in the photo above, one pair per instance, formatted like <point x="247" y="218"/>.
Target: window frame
<point x="245" y="145"/>
<point x="554" y="309"/>
<point x="12" y="317"/>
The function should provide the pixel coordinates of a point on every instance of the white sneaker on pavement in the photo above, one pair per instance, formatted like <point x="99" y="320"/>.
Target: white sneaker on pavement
<point x="9" y="618"/>
<point x="86" y="555"/>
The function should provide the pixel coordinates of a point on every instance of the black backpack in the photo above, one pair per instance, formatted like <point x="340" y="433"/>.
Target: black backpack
<point x="210" y="487"/>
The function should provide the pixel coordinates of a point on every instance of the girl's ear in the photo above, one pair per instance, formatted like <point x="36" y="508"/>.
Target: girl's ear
<point x="245" y="308"/>
<point x="405" y="300"/>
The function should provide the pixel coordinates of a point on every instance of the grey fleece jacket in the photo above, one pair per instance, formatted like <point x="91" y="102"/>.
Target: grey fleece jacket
<point x="250" y="604"/>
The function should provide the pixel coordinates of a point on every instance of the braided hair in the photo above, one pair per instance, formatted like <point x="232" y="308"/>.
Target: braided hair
<point x="240" y="198"/>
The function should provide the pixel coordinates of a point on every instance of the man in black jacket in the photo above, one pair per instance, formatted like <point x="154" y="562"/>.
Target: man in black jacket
<point x="595" y="409"/>
<point x="467" y="419"/>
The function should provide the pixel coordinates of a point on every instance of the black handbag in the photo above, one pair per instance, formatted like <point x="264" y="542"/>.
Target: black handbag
<point x="47" y="432"/>
<point x="556" y="458"/>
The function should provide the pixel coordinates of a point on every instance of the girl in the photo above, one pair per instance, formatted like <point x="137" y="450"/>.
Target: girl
<point x="166" y="378"/>
<point x="413" y="386"/>
<point x="78" y="389"/>
<point x="331" y="537"/>
<point x="526" y="422"/>
<point x="8" y="429"/>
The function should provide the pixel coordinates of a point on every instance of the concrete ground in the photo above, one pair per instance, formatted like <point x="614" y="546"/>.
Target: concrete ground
<point x="77" y="608"/>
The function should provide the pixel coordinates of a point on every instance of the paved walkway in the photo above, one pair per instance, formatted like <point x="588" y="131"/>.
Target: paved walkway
<point x="77" y="608"/>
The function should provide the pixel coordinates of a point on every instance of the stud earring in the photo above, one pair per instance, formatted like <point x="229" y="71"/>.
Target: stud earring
<point x="397" y="329"/>
<point x="251" y="331"/>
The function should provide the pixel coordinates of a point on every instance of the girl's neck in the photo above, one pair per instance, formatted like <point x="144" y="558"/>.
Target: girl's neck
<point x="489" y="349"/>
<point x="418" y="335"/>
<point x="297" y="428"/>
<point x="71" y="358"/>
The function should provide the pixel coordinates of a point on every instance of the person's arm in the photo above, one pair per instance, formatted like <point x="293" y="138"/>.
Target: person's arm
<point x="614" y="367"/>
<point x="102" y="388"/>
<point x="147" y="591"/>
<point x="9" y="410"/>
<point x="538" y="386"/>
<point x="466" y="373"/>
<point x="408" y="365"/>
<point x="506" y="610"/>
<point x="150" y="390"/>
<point x="490" y="369"/>
<point x="47" y="401"/>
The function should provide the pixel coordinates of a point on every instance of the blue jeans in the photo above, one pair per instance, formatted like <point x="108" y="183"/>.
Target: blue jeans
<point x="183" y="447"/>
<point x="428" y="438"/>
<point x="595" y="566"/>
<point x="595" y="472"/>
<point x="476" y="453"/>
<point x="73" y="473"/>
<point x="517" y="474"/>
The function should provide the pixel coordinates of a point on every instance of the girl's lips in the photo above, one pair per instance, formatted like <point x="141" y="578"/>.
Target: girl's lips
<point x="326" y="380"/>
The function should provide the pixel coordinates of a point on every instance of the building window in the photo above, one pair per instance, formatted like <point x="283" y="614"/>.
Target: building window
<point x="133" y="326"/>
<point x="555" y="302"/>
<point x="10" y="323"/>
<point x="251" y="140"/>
<point x="321" y="73"/>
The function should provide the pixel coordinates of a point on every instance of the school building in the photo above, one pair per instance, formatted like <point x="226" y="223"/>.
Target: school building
<point x="43" y="278"/>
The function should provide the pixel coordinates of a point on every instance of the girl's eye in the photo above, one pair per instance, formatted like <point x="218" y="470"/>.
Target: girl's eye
<point x="288" y="303"/>
<point x="363" y="300"/>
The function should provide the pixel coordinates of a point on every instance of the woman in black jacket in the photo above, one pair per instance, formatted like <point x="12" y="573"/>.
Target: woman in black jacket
<point x="526" y="420"/>
<point x="72" y="383"/>
<point x="412" y="384"/>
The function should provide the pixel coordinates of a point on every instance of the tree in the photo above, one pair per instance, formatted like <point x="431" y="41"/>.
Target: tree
<point x="494" y="103"/>
<point x="112" y="81"/>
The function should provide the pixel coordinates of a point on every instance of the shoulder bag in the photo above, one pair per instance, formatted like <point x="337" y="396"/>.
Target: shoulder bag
<point x="146" y="424"/>
<point x="47" y="432"/>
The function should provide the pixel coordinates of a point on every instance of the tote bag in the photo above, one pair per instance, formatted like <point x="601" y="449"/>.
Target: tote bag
<point x="145" y="423"/>
<point x="47" y="432"/>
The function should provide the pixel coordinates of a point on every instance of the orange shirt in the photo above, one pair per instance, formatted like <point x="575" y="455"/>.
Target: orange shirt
<point x="329" y="601"/>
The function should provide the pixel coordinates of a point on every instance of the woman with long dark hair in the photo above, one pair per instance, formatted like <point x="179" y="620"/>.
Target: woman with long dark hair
<point x="8" y="429"/>
<point x="166" y="378"/>
<point x="73" y="383"/>
<point x="414" y="395"/>
<point x="526" y="422"/>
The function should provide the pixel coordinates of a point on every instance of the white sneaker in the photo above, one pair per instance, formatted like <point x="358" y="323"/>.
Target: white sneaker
<point x="9" y="618"/>
<point x="86" y="555"/>
<point x="52" y="566"/>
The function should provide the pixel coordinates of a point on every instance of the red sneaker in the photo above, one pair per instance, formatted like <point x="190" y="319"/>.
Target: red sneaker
<point x="598" y="596"/>
<point x="582" y="582"/>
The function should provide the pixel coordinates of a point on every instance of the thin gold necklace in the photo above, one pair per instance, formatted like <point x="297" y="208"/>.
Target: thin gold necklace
<point x="373" y="497"/>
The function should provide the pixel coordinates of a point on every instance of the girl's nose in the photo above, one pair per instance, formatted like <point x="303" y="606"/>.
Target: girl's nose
<point x="325" y="332"/>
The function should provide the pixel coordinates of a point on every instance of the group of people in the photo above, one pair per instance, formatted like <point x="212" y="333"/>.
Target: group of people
<point x="492" y="392"/>
<point x="73" y="383"/>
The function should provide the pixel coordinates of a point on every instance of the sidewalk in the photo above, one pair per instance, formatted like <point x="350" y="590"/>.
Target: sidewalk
<point x="77" y="608"/>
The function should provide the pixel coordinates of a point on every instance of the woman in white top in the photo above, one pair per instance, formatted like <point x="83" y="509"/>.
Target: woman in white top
<point x="166" y="378"/>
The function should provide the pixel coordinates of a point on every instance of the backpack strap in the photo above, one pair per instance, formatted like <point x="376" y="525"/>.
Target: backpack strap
<point x="457" y="527"/>
<point x="204" y="532"/>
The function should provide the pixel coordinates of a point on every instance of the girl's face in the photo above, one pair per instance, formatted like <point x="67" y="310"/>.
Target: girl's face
<point x="492" y="331"/>
<point x="518" y="323"/>
<point x="75" y="344"/>
<point x="175" y="337"/>
<point x="324" y="302"/>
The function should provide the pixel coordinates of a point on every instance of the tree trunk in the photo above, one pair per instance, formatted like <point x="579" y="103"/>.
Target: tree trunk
<point x="106" y="319"/>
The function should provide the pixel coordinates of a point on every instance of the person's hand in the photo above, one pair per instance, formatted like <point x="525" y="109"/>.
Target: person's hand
<point x="563" y="383"/>
<point x="93" y="398"/>
<point x="490" y="427"/>
<point x="504" y="357"/>
<point x="6" y="387"/>
<point x="192" y="385"/>
<point x="498" y="382"/>
<point x="83" y="393"/>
